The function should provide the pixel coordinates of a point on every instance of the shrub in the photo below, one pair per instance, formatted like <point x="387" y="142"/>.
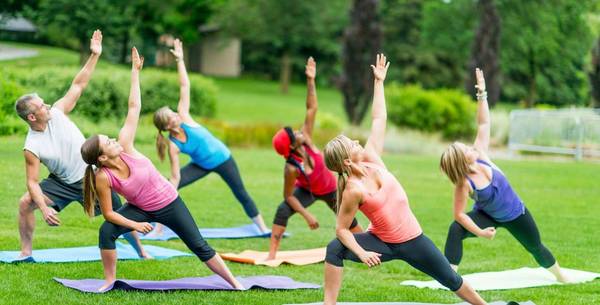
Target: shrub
<point x="108" y="91"/>
<point x="10" y="123"/>
<point x="448" y="111"/>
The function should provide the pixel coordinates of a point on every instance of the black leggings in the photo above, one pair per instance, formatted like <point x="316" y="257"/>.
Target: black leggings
<point x="285" y="211"/>
<point x="419" y="252"/>
<point x="228" y="172"/>
<point x="176" y="216"/>
<point x="523" y="228"/>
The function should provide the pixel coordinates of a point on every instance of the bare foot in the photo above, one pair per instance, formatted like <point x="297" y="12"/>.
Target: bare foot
<point x="107" y="284"/>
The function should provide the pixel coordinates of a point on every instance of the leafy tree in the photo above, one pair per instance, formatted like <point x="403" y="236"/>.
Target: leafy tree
<point x="284" y="30"/>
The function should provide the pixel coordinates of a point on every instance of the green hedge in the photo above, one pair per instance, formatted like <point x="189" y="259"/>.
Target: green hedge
<point x="10" y="123"/>
<point x="108" y="90"/>
<point x="448" y="111"/>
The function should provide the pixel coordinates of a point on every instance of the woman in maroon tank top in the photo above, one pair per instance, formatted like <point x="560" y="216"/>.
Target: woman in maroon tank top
<point x="306" y="178"/>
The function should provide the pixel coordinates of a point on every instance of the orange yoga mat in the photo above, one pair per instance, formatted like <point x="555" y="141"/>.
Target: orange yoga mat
<point x="296" y="257"/>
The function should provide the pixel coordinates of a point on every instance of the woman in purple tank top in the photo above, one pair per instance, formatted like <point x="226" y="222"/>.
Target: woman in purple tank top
<point x="150" y="196"/>
<point x="496" y="203"/>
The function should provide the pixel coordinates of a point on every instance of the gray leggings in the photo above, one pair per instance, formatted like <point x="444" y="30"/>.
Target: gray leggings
<point x="419" y="252"/>
<point x="285" y="211"/>
<point x="176" y="216"/>
<point x="228" y="172"/>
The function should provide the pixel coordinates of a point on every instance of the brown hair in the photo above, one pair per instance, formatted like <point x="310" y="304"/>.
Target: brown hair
<point x="335" y="152"/>
<point x="161" y="119"/>
<point x="90" y="151"/>
<point x="454" y="164"/>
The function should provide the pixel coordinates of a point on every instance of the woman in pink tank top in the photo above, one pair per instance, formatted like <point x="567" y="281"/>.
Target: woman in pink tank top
<point x="150" y="197"/>
<point x="365" y="184"/>
<point x="306" y="178"/>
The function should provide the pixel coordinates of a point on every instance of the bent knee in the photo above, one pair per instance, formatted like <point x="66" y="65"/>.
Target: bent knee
<point x="26" y="205"/>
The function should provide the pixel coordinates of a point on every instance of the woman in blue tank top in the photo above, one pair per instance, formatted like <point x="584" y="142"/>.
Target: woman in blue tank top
<point x="496" y="203"/>
<point x="207" y="153"/>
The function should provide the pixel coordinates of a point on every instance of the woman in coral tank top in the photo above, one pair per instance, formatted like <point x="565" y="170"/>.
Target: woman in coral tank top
<point x="365" y="184"/>
<point x="150" y="197"/>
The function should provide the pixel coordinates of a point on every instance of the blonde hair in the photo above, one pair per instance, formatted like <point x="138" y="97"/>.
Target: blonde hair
<point x="335" y="152"/>
<point x="90" y="151"/>
<point x="454" y="164"/>
<point x="161" y="120"/>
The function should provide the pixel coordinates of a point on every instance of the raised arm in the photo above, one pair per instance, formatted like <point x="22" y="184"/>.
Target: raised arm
<point x="311" y="98"/>
<point x="460" y="202"/>
<point x="183" y="107"/>
<point x="127" y="133"/>
<point x="482" y="142"/>
<point x="374" y="146"/>
<point x="68" y="102"/>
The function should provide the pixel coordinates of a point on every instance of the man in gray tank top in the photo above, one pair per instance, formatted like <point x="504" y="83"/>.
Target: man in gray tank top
<point x="55" y="141"/>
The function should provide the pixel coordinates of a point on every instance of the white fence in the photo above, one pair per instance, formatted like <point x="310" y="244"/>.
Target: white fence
<point x="567" y="131"/>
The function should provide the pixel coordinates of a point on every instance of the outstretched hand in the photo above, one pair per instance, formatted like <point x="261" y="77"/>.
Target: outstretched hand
<point x="96" y="42"/>
<point x="380" y="68"/>
<point x="311" y="68"/>
<point x="177" y="50"/>
<point x="137" y="61"/>
<point x="480" y="80"/>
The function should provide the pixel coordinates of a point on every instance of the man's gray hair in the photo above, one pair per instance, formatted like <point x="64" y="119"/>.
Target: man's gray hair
<point x="23" y="106"/>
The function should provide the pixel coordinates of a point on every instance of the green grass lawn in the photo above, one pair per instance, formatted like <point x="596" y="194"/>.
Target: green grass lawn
<point x="562" y="197"/>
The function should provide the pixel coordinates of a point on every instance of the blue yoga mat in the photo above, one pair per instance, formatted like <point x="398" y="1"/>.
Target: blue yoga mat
<point x="247" y="231"/>
<point x="87" y="254"/>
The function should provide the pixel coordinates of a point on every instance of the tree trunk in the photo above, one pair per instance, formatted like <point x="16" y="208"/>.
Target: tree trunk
<point x="124" y="47"/>
<point x="84" y="51"/>
<point x="532" y="91"/>
<point x="286" y="71"/>
<point x="485" y="53"/>
<point x="594" y="75"/>
<point x="362" y="41"/>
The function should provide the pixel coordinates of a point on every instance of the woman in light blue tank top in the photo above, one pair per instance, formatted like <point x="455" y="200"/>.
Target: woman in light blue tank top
<point x="208" y="154"/>
<point x="496" y="203"/>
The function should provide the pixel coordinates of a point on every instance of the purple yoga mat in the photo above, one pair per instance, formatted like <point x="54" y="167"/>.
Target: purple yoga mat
<point x="213" y="282"/>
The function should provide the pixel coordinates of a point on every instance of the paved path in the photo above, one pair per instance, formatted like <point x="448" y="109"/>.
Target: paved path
<point x="9" y="52"/>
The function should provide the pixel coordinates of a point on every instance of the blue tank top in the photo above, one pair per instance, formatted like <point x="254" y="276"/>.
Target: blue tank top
<point x="204" y="149"/>
<point x="498" y="199"/>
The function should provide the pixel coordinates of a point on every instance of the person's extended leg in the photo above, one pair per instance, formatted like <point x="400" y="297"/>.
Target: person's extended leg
<point x="525" y="230"/>
<point x="284" y="212"/>
<point x="56" y="194"/>
<point x="423" y="255"/>
<point x="27" y="223"/>
<point x="456" y="234"/>
<point x="177" y="217"/>
<point x="231" y="174"/>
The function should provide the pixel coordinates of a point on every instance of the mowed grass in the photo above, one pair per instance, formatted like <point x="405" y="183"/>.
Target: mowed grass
<point x="562" y="197"/>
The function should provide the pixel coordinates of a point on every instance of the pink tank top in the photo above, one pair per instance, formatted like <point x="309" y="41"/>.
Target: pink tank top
<point x="320" y="181"/>
<point x="145" y="187"/>
<point x="388" y="210"/>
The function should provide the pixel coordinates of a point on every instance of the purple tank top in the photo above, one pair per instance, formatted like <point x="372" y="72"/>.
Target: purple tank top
<point x="498" y="199"/>
<point x="145" y="187"/>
